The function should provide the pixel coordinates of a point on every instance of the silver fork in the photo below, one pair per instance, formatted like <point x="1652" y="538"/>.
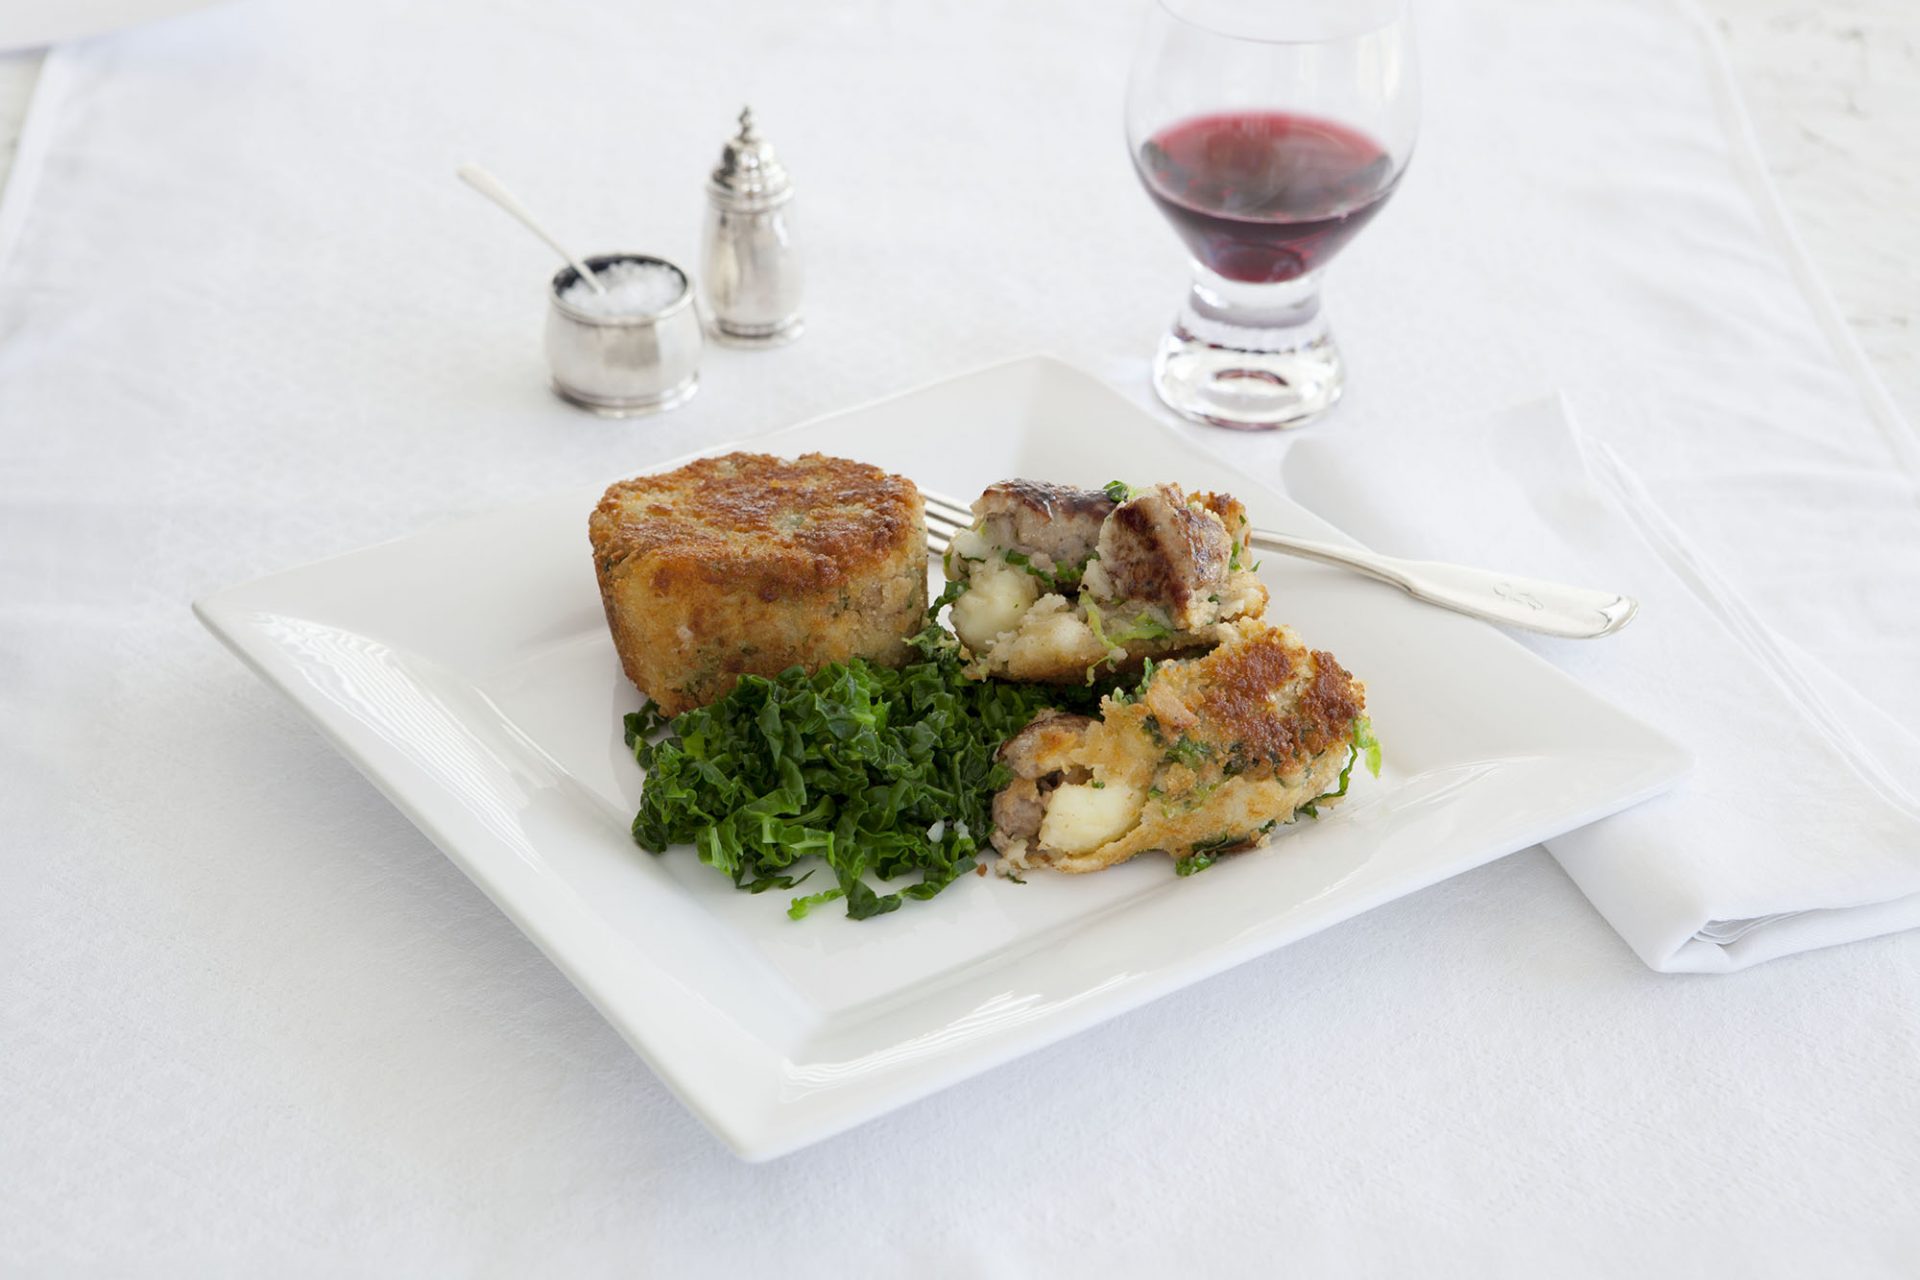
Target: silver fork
<point x="1573" y="613"/>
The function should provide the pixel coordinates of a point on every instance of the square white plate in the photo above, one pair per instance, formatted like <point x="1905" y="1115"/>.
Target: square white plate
<point x="468" y="672"/>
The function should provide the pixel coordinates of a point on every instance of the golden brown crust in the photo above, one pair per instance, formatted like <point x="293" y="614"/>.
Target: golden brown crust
<point x="1236" y="707"/>
<point x="751" y="564"/>
<point x="1261" y="704"/>
<point x="1223" y="747"/>
<point x="715" y="517"/>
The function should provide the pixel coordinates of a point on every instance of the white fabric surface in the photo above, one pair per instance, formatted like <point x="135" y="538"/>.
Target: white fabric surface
<point x="1795" y="830"/>
<point x="254" y="1022"/>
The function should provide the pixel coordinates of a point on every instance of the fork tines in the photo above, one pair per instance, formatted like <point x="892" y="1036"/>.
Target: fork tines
<point x="945" y="517"/>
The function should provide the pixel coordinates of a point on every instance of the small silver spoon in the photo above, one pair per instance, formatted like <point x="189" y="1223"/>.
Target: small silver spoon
<point x="489" y="186"/>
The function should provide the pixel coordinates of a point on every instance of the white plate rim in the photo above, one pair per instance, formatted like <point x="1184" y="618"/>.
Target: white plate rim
<point x="755" y="1132"/>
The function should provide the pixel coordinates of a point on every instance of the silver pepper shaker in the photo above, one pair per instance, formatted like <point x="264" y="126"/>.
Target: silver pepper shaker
<point x="752" y="278"/>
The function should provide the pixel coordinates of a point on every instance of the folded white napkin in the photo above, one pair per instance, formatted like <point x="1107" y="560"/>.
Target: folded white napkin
<point x="1798" y="828"/>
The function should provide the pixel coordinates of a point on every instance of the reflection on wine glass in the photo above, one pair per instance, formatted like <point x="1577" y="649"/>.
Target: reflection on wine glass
<point x="1269" y="135"/>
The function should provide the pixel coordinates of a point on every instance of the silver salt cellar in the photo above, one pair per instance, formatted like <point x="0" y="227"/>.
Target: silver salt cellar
<point x="630" y="350"/>
<point x="751" y="280"/>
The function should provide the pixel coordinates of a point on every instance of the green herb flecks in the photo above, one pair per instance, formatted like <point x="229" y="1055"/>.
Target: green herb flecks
<point x="1122" y="697"/>
<point x="1151" y="723"/>
<point x="1207" y="852"/>
<point x="1190" y="752"/>
<point x="1064" y="579"/>
<point x="1096" y="623"/>
<point x="1148" y="626"/>
<point x="1367" y="744"/>
<point x="1363" y="746"/>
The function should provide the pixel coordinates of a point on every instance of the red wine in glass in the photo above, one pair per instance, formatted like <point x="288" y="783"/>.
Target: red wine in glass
<point x="1265" y="196"/>
<point x="1269" y="135"/>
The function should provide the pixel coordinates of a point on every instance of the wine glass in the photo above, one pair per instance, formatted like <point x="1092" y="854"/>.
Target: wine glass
<point x="1268" y="134"/>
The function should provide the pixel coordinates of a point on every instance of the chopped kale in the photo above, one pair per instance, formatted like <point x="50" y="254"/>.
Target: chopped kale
<point x="877" y="772"/>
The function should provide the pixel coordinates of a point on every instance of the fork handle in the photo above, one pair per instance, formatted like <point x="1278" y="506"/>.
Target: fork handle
<point x="1573" y="613"/>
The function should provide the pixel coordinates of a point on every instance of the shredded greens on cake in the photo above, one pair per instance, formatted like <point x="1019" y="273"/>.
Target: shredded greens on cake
<point x="877" y="772"/>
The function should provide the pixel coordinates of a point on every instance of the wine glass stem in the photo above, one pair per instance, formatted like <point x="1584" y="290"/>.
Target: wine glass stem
<point x="1290" y="310"/>
<point x="1255" y="357"/>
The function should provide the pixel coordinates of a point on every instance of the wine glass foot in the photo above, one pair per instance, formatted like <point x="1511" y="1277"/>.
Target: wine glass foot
<point x="1248" y="390"/>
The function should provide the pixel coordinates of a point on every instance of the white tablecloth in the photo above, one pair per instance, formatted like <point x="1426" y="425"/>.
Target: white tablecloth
<point x="254" y="1021"/>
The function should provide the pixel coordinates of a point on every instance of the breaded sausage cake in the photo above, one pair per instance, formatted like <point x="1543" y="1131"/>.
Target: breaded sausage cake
<point x="753" y="564"/>
<point x="1062" y="581"/>
<point x="1214" y="754"/>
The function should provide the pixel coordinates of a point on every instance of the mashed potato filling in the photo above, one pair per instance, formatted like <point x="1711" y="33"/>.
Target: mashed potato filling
<point x="998" y="596"/>
<point x="1209" y="757"/>
<point x="1082" y="816"/>
<point x="1059" y="583"/>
